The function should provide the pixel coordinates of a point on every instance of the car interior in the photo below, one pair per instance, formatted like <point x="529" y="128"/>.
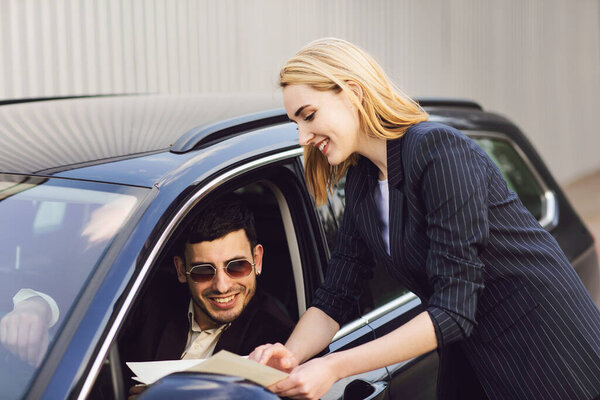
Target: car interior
<point x="281" y="269"/>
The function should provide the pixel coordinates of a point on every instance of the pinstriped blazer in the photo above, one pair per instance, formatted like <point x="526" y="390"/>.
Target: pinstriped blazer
<point x="502" y="296"/>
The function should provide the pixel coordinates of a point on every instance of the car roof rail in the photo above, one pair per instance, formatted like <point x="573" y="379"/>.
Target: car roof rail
<point x="215" y="132"/>
<point x="39" y="99"/>
<point x="448" y="102"/>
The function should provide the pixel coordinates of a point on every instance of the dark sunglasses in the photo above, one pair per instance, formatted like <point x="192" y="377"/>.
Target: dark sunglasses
<point x="234" y="268"/>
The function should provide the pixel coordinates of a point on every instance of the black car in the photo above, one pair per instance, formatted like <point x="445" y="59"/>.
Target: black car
<point x="95" y="192"/>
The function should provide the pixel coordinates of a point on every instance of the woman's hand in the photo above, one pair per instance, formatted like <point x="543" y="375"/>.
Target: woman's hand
<point x="275" y="355"/>
<point x="310" y="380"/>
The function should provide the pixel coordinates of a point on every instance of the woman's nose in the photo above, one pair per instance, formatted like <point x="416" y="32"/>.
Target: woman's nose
<point x="304" y="136"/>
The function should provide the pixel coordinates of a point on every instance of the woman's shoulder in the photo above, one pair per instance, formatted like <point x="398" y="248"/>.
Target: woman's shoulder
<point x="430" y="133"/>
<point x="431" y="127"/>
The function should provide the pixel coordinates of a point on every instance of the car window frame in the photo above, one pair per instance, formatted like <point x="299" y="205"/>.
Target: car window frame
<point x="203" y="190"/>
<point x="550" y="217"/>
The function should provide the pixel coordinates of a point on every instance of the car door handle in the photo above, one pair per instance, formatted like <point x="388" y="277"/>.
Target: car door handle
<point x="360" y="389"/>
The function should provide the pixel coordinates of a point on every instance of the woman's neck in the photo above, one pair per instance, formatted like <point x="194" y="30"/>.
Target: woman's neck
<point x="375" y="150"/>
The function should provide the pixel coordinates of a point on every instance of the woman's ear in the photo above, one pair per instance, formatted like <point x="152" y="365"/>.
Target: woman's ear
<point x="356" y="89"/>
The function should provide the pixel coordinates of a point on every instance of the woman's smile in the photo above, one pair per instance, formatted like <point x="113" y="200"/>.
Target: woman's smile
<point x="323" y="146"/>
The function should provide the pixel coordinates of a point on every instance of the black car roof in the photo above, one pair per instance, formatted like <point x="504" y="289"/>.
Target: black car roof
<point x="44" y="135"/>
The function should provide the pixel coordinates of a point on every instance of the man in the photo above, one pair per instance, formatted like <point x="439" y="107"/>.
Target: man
<point x="222" y="309"/>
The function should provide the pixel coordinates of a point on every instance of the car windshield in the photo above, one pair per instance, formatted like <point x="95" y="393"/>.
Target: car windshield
<point x="53" y="233"/>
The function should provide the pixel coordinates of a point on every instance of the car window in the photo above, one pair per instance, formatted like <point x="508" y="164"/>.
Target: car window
<point x="53" y="233"/>
<point x="518" y="176"/>
<point x="267" y="204"/>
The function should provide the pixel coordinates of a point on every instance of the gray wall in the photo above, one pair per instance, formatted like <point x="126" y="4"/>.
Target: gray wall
<point x="535" y="61"/>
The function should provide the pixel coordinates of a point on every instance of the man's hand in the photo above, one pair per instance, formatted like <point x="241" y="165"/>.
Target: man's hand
<point x="135" y="391"/>
<point x="24" y="331"/>
<point x="275" y="355"/>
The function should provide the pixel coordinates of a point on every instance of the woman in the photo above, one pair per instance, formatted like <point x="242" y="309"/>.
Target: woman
<point x="493" y="282"/>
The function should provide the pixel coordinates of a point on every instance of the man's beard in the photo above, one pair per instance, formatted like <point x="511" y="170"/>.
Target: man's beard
<point x="228" y="316"/>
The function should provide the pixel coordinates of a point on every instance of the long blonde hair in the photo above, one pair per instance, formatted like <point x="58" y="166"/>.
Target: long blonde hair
<point x="385" y="112"/>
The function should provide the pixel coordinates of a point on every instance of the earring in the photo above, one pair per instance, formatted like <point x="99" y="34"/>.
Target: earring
<point x="258" y="273"/>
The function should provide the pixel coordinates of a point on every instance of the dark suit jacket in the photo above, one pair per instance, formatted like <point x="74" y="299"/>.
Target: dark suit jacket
<point x="506" y="304"/>
<point x="159" y="331"/>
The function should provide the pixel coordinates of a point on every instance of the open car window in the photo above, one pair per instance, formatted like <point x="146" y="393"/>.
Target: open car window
<point x="281" y="270"/>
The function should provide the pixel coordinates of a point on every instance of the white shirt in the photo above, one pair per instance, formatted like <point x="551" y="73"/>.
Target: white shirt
<point x="25" y="294"/>
<point x="382" y="200"/>
<point x="200" y="343"/>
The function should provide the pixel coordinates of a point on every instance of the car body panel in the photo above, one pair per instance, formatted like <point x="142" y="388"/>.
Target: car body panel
<point x="185" y="386"/>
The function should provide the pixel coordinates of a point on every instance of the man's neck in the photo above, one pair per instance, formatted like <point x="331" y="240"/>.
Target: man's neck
<point x="203" y="321"/>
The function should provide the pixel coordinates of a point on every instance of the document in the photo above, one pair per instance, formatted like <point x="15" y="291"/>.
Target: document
<point x="224" y="362"/>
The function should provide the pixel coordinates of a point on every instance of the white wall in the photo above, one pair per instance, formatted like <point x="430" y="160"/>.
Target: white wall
<point x="535" y="61"/>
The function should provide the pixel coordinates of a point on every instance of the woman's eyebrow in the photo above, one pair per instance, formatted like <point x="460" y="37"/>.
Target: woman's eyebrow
<point x="299" y="110"/>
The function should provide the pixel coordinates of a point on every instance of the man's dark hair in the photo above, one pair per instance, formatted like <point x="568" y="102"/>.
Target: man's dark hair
<point x="220" y="217"/>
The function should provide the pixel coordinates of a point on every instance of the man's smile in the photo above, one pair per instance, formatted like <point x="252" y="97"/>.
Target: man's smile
<point x="224" y="302"/>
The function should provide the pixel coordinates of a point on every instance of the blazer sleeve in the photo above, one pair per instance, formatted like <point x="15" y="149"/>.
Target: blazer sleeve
<point x="349" y="267"/>
<point x="451" y="171"/>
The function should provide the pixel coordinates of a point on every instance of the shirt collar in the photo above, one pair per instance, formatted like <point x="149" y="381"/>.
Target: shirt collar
<point x="194" y="325"/>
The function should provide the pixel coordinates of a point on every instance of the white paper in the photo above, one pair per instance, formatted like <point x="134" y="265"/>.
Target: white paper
<point x="223" y="362"/>
<point x="151" y="371"/>
<point x="228" y="363"/>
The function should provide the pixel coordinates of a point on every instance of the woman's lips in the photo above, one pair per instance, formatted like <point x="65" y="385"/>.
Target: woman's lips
<point x="323" y="146"/>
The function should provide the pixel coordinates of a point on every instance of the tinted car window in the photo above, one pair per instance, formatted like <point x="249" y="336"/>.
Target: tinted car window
<point x="517" y="174"/>
<point x="64" y="227"/>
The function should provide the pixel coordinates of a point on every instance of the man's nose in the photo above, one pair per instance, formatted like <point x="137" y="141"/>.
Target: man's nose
<point x="222" y="282"/>
<point x="304" y="136"/>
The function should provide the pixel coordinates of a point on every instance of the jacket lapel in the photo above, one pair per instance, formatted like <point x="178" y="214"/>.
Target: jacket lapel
<point x="396" y="190"/>
<point x="173" y="335"/>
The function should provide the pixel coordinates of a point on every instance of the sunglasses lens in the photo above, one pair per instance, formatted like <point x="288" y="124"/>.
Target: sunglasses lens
<point x="202" y="273"/>
<point x="239" y="268"/>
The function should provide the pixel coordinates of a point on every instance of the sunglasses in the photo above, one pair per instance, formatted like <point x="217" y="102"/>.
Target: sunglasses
<point x="235" y="269"/>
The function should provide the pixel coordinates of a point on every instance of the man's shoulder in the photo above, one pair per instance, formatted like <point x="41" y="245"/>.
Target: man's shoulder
<point x="267" y="308"/>
<point x="263" y="321"/>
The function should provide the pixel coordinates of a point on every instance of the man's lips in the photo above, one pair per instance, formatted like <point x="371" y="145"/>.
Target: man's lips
<point x="224" y="301"/>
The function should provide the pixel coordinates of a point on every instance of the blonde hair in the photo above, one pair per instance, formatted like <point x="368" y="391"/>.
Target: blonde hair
<point x="385" y="112"/>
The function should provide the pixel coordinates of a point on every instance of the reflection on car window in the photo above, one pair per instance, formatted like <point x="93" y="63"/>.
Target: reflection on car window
<point x="53" y="232"/>
<point x="517" y="175"/>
